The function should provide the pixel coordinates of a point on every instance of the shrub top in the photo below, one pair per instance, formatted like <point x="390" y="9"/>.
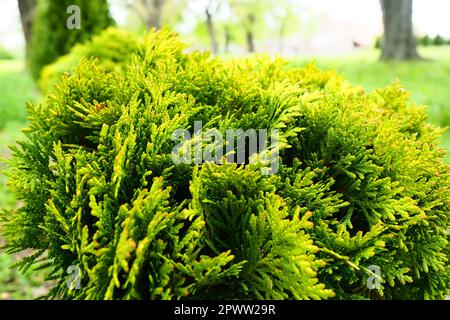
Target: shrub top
<point x="361" y="184"/>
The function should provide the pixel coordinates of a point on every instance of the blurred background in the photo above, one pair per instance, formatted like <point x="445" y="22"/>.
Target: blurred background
<point x="372" y="43"/>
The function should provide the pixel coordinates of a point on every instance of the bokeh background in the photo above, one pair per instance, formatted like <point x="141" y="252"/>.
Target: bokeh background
<point x="345" y="35"/>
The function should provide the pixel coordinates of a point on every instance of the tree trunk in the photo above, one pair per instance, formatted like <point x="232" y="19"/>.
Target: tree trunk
<point x="153" y="13"/>
<point x="398" y="41"/>
<point x="157" y="14"/>
<point x="250" y="41"/>
<point x="227" y="39"/>
<point x="249" y="33"/>
<point x="27" y="9"/>
<point x="211" y="32"/>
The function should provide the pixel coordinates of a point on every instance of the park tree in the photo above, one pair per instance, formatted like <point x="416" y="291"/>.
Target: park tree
<point x="150" y="12"/>
<point x="214" y="23"/>
<point x="425" y="41"/>
<point x="250" y="14"/>
<point x="143" y="15"/>
<point x="227" y="37"/>
<point x="438" y="40"/>
<point x="51" y="35"/>
<point x="398" y="41"/>
<point x="211" y="21"/>
<point x="27" y="9"/>
<point x="211" y="7"/>
<point x="231" y="31"/>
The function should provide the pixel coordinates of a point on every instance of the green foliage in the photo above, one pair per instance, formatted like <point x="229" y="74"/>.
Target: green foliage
<point x="438" y="41"/>
<point x="51" y="37"/>
<point x="364" y="69"/>
<point x="377" y="43"/>
<point x="264" y="19"/>
<point x="112" y="47"/>
<point x="426" y="41"/>
<point x="361" y="182"/>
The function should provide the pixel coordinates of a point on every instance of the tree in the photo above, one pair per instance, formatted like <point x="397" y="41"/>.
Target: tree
<point x="27" y="9"/>
<point x="214" y="24"/>
<point x="157" y="14"/>
<point x="438" y="41"/>
<point x="149" y="11"/>
<point x="210" y="8"/>
<point x="249" y="31"/>
<point x="398" y="40"/>
<point x="143" y="15"/>
<point x="425" y="41"/>
<point x="250" y="14"/>
<point x="227" y="38"/>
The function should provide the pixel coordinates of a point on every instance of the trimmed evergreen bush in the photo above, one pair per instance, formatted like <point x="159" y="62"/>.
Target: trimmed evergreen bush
<point x="112" y="47"/>
<point x="51" y="36"/>
<point x="361" y="183"/>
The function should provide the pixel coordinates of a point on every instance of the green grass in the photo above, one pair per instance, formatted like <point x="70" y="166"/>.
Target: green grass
<point x="16" y="88"/>
<point x="428" y="80"/>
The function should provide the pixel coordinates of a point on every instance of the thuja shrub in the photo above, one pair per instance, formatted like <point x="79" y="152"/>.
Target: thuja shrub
<point x="112" y="48"/>
<point x="360" y="185"/>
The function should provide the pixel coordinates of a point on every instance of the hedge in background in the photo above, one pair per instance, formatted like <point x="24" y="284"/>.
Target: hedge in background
<point x="361" y="183"/>
<point x="51" y="37"/>
<point x="112" y="47"/>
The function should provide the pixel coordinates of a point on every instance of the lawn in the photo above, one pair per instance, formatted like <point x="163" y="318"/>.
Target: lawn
<point x="429" y="80"/>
